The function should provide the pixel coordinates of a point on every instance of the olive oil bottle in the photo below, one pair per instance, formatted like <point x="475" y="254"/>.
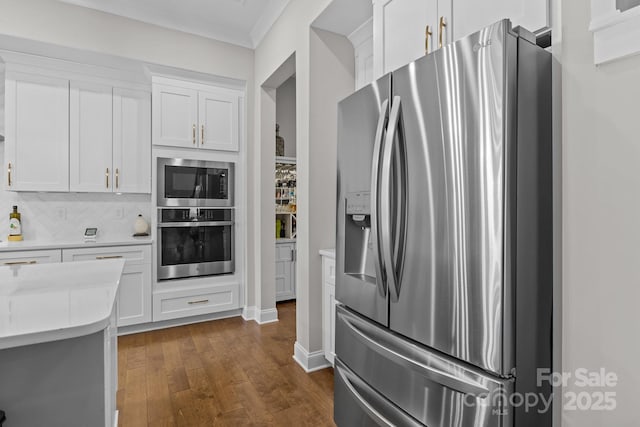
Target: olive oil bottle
<point x="15" y="226"/>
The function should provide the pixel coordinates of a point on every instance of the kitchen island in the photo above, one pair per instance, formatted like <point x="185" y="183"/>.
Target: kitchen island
<point x="58" y="348"/>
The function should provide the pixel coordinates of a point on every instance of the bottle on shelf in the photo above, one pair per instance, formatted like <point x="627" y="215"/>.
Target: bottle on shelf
<point x="15" y="226"/>
<point x="279" y="142"/>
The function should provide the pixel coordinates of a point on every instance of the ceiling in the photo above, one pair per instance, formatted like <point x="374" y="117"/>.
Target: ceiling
<point x="241" y="22"/>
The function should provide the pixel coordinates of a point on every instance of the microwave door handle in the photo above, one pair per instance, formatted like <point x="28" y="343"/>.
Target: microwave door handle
<point x="376" y="242"/>
<point x="386" y="201"/>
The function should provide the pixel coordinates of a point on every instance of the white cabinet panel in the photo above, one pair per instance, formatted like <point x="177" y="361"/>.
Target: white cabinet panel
<point x="37" y="132"/>
<point x="30" y="257"/>
<point x="285" y="271"/>
<point x="175" y="116"/>
<point x="196" y="116"/>
<point x="193" y="301"/>
<point x="134" y="300"/>
<point x="402" y="30"/>
<point x="218" y="114"/>
<point x="469" y="17"/>
<point x="91" y="127"/>
<point x="328" y="308"/>
<point x="131" y="141"/>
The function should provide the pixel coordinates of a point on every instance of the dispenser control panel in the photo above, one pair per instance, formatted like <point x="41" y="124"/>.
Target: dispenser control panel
<point x="359" y="203"/>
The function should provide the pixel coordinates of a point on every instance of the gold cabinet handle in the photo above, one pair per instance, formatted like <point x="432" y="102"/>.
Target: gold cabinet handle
<point x="427" y="36"/>
<point x="202" y="301"/>
<point x="21" y="262"/>
<point x="443" y="24"/>
<point x="9" y="175"/>
<point x="194" y="134"/>
<point x="106" y="175"/>
<point x="202" y="134"/>
<point x="109" y="257"/>
<point x="117" y="178"/>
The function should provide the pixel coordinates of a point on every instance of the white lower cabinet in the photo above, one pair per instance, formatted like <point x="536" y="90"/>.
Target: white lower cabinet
<point x="185" y="301"/>
<point x="30" y="257"/>
<point x="134" y="301"/>
<point x="285" y="271"/>
<point x="328" y="307"/>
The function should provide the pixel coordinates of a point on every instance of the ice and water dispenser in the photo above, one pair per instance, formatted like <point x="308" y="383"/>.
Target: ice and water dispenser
<point x="359" y="260"/>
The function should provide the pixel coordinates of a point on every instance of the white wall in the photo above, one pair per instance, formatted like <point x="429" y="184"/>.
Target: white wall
<point x="601" y="219"/>
<point x="292" y="34"/>
<point x="286" y="115"/>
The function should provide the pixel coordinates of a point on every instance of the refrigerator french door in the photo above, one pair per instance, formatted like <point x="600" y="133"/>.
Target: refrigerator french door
<point x="443" y="255"/>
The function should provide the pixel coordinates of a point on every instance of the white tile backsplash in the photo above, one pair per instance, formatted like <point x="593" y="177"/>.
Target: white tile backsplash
<point x="64" y="216"/>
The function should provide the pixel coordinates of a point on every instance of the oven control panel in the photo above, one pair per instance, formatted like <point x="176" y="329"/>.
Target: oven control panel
<point x="194" y="215"/>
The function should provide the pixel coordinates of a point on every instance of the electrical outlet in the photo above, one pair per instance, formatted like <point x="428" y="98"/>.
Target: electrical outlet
<point x="61" y="213"/>
<point x="119" y="213"/>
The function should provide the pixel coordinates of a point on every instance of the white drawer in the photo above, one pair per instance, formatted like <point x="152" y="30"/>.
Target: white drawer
<point x="132" y="254"/>
<point x="329" y="270"/>
<point x="30" y="257"/>
<point x="195" y="301"/>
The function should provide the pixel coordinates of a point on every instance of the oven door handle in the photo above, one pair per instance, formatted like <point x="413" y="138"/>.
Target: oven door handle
<point x="195" y="224"/>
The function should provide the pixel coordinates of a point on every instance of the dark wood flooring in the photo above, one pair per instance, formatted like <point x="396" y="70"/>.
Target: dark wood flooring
<point x="221" y="373"/>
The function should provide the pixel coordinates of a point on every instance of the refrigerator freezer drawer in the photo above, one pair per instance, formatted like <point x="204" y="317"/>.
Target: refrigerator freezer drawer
<point x="360" y="405"/>
<point x="434" y="389"/>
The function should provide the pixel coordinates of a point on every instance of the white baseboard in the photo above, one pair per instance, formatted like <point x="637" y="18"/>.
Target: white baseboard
<point x="260" y="316"/>
<point x="310" y="362"/>
<point x="267" y="316"/>
<point x="249" y="313"/>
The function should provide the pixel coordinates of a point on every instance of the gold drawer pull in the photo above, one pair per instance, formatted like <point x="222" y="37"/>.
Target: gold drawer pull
<point x="109" y="257"/>
<point x="202" y="301"/>
<point x="9" y="175"/>
<point x="21" y="262"/>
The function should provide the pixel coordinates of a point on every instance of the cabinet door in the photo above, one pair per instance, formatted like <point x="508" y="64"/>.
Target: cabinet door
<point x="131" y="141"/>
<point x="174" y="116"/>
<point x="284" y="271"/>
<point x="470" y="16"/>
<point x="399" y="31"/>
<point x="91" y="140"/>
<point x="134" y="301"/>
<point x="37" y="133"/>
<point x="218" y="114"/>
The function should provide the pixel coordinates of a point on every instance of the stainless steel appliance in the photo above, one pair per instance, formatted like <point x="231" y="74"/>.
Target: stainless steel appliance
<point x="183" y="182"/>
<point x="444" y="246"/>
<point x="195" y="242"/>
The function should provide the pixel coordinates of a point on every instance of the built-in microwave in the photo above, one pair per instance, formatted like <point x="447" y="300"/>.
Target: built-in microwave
<point x="197" y="183"/>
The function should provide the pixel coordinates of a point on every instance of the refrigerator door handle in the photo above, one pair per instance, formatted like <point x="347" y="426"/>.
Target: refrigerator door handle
<point x="373" y="400"/>
<point x="410" y="356"/>
<point x="376" y="241"/>
<point x="386" y="202"/>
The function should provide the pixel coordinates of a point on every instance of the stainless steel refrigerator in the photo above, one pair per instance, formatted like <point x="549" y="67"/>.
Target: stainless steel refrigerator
<point x="444" y="239"/>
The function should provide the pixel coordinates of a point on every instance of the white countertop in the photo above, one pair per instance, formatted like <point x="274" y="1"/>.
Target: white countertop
<point x="32" y="245"/>
<point x="49" y="302"/>
<point x="331" y="253"/>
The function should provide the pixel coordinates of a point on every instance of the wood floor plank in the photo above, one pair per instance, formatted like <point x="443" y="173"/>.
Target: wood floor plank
<point x="228" y="372"/>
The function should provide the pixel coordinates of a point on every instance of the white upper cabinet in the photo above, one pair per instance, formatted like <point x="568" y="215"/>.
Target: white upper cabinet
<point x="193" y="115"/>
<point x="470" y="16"/>
<point x="175" y="116"/>
<point x="218" y="118"/>
<point x="131" y="141"/>
<point x="399" y="31"/>
<point x="110" y="141"/>
<point x="362" y="40"/>
<point x="91" y="127"/>
<point x="404" y="30"/>
<point x="37" y="132"/>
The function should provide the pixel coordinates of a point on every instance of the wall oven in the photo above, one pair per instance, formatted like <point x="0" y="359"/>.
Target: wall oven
<point x="195" y="242"/>
<point x="183" y="182"/>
